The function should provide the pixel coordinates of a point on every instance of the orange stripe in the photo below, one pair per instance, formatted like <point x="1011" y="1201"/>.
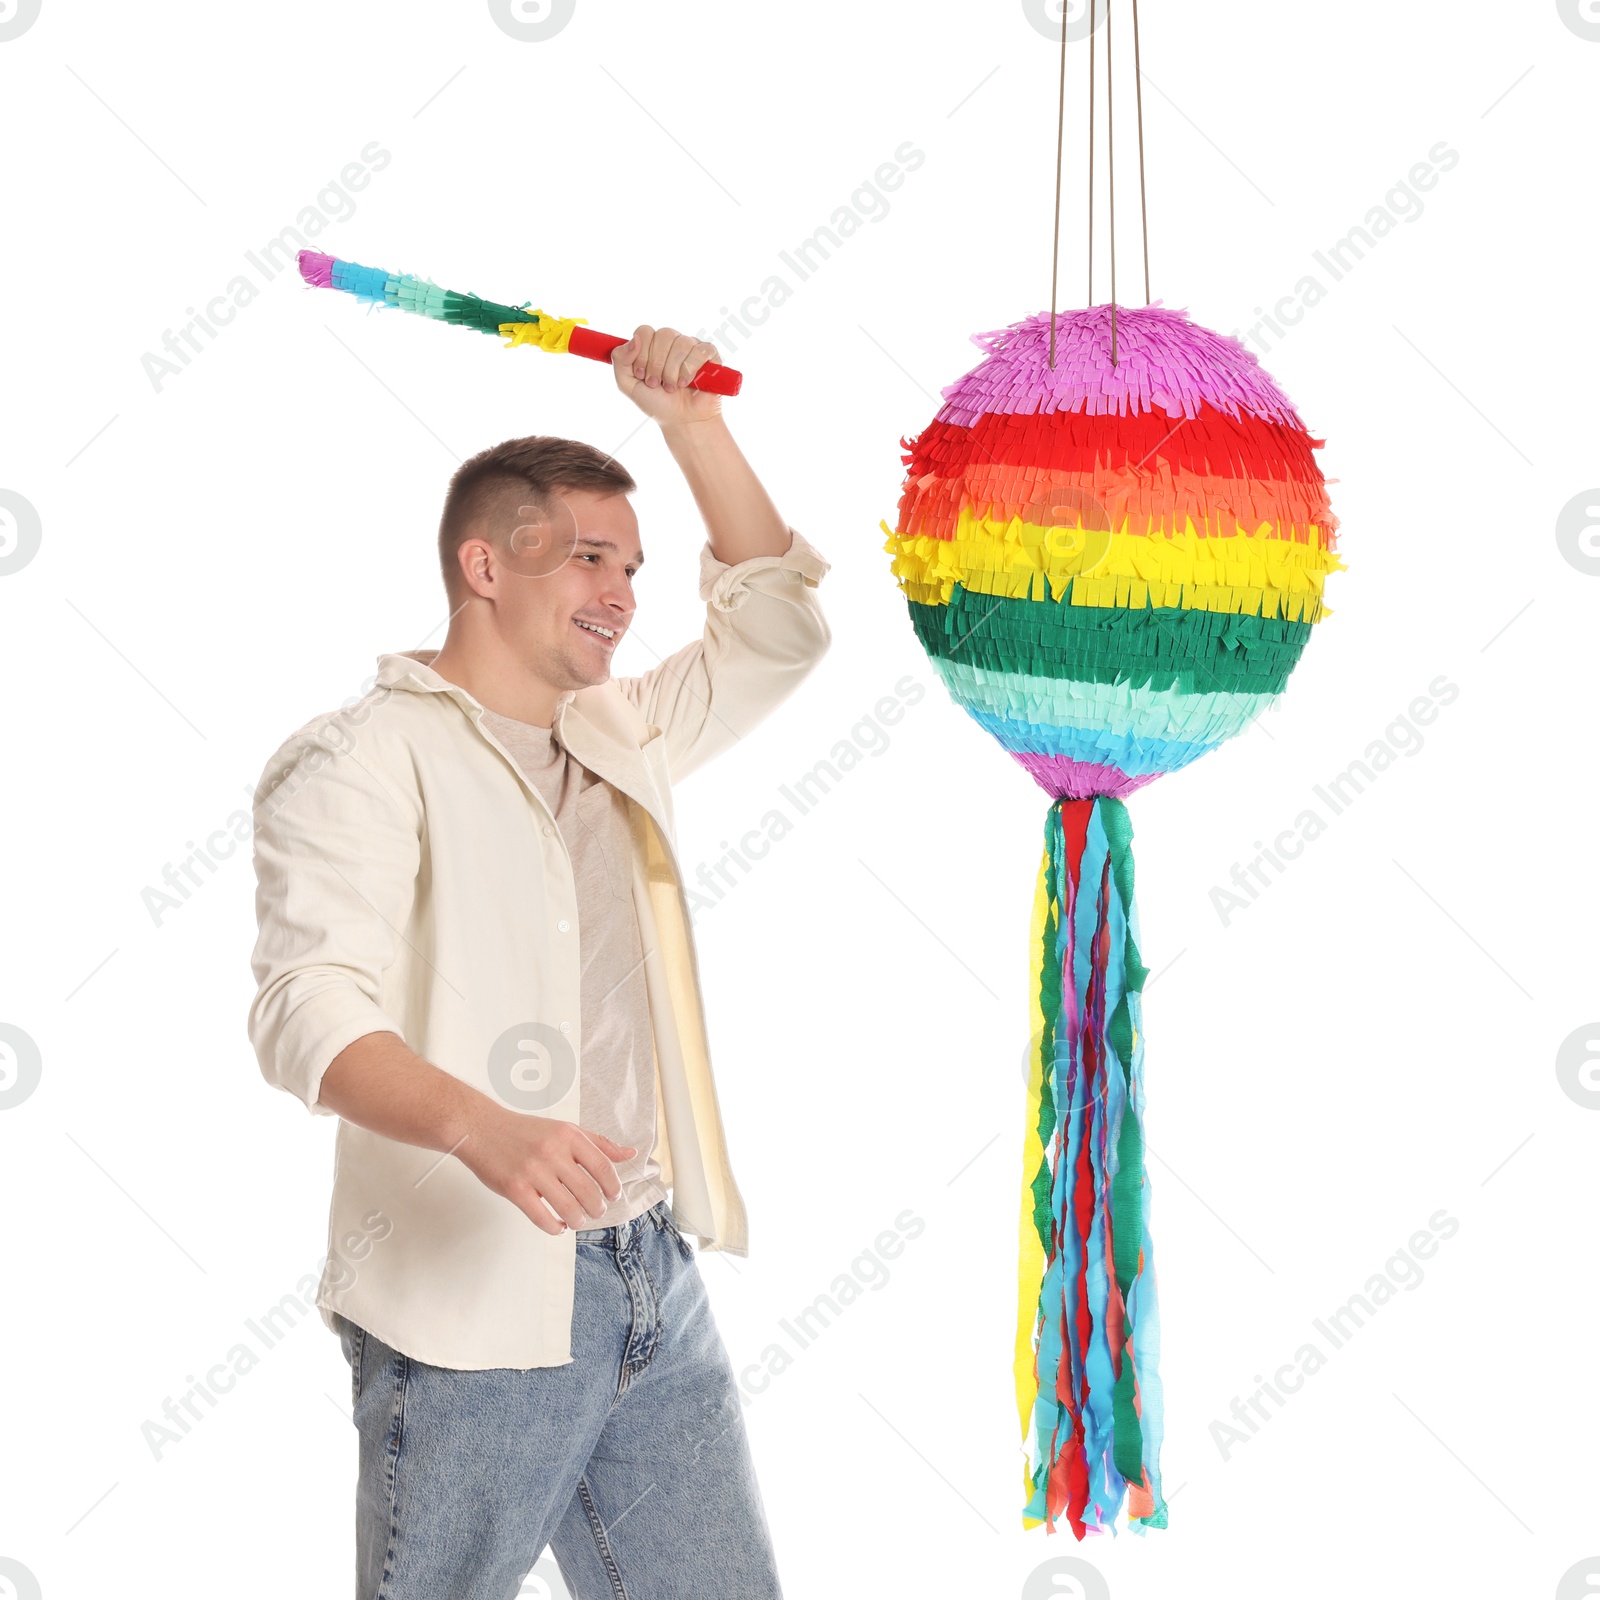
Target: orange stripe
<point x="1156" y="500"/>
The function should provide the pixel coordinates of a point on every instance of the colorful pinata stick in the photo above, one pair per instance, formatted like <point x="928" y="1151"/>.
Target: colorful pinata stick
<point x="563" y="335"/>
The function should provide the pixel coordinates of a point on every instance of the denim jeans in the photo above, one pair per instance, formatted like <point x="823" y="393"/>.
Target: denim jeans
<point x="630" y="1462"/>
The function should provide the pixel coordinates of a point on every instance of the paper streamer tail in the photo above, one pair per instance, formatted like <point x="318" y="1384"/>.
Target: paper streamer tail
<point x="1088" y="1334"/>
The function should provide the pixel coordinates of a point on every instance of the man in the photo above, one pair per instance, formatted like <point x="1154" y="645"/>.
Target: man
<point x="474" y="949"/>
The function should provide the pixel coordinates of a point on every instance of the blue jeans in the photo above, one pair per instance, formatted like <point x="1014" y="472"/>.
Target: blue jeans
<point x="630" y="1462"/>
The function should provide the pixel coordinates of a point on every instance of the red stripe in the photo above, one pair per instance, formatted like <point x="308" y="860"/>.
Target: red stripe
<point x="1210" y="443"/>
<point x="1075" y="816"/>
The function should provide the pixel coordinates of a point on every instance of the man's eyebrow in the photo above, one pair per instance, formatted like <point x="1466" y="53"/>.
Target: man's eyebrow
<point x="606" y="544"/>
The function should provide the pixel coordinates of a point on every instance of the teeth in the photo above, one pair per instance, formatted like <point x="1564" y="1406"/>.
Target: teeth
<point x="594" y="627"/>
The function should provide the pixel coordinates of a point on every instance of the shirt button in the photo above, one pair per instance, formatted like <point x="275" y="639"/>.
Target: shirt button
<point x="563" y="926"/>
<point x="566" y="1027"/>
<point x="548" y="830"/>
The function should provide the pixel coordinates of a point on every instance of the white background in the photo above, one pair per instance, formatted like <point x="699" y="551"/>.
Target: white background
<point x="1372" y="1040"/>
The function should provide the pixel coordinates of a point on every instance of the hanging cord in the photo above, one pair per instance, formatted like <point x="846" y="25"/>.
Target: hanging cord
<point x="1089" y="301"/>
<point x="1055" y="245"/>
<point x="1111" y="168"/>
<point x="1111" y="171"/>
<point x="1138" y="93"/>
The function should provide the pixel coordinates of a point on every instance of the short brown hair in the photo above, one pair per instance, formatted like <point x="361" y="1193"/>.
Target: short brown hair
<point x="542" y="464"/>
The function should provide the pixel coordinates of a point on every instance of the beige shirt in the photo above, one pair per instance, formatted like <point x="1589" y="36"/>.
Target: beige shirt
<point x="617" y="1090"/>
<point x="410" y="879"/>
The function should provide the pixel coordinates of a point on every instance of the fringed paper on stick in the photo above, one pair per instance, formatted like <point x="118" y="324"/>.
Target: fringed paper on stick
<point x="522" y="326"/>
<point x="1113" y="568"/>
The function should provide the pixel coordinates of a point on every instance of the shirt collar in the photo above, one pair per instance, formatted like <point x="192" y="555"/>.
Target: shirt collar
<point x="412" y="669"/>
<point x="603" y="749"/>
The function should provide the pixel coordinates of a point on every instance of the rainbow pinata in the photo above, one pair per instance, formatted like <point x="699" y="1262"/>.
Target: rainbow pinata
<point x="1113" y="570"/>
<point x="1113" y="567"/>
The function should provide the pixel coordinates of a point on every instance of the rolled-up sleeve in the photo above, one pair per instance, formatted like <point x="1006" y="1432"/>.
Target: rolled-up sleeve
<point x="764" y="632"/>
<point x="337" y="852"/>
<point x="725" y="585"/>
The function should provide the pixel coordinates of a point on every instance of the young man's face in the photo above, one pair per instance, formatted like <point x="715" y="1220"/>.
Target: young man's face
<point x="569" y="584"/>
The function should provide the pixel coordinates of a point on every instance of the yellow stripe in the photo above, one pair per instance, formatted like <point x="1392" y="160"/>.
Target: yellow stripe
<point x="1030" y="1252"/>
<point x="549" y="333"/>
<point x="1256" y="573"/>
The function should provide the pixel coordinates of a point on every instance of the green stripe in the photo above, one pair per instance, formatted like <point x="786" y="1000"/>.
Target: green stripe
<point x="1164" y="647"/>
<point x="1127" y="1187"/>
<point x="470" y="312"/>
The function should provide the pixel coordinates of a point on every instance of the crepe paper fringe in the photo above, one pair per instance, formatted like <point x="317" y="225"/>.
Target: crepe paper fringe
<point x="1195" y="652"/>
<point x="1088" y="1330"/>
<point x="549" y="333"/>
<point x="317" y="269"/>
<point x="1208" y="443"/>
<point x="1142" y="503"/>
<point x="1229" y="474"/>
<point x="1158" y="524"/>
<point x="1114" y="569"/>
<point x="1256" y="573"/>
<point x="1068" y="779"/>
<point x="1067" y="702"/>
<point x="1125" y="754"/>
<point x="423" y="297"/>
<point x="1164" y="361"/>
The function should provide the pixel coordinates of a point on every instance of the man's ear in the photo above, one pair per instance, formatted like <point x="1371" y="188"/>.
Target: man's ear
<point x="475" y="564"/>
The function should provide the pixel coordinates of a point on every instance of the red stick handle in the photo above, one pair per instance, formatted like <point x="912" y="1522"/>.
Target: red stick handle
<point x="712" y="377"/>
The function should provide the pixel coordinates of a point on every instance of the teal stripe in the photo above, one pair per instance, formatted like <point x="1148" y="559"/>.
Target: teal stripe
<point x="1137" y="758"/>
<point x="1146" y="713"/>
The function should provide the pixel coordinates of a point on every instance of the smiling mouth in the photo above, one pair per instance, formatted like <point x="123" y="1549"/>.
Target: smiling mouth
<point x="599" y="630"/>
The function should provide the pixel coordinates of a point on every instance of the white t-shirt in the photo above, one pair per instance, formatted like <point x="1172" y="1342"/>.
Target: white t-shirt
<point x="616" y="1069"/>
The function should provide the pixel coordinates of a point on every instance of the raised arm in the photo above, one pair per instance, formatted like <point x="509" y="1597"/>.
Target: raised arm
<point x="653" y="369"/>
<point x="764" y="630"/>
